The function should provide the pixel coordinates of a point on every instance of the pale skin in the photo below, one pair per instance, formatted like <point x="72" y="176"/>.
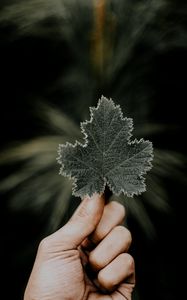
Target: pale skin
<point x="87" y="259"/>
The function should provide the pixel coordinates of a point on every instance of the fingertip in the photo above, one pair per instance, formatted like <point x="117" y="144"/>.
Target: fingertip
<point x="92" y="205"/>
<point x="94" y="197"/>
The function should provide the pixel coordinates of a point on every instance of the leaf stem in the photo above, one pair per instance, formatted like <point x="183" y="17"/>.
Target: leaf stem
<point x="107" y="194"/>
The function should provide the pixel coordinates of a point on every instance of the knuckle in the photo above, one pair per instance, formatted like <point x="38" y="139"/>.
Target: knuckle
<point x="124" y="234"/>
<point x="128" y="237"/>
<point x="129" y="261"/>
<point x="82" y="212"/>
<point x="105" y="280"/>
<point x="94" y="261"/>
<point x="119" y="208"/>
<point x="119" y="229"/>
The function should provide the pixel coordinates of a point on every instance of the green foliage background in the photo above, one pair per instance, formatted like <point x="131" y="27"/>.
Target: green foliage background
<point x="57" y="58"/>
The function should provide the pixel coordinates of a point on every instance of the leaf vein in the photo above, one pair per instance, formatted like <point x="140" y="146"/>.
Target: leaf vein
<point x="114" y="140"/>
<point x="126" y="160"/>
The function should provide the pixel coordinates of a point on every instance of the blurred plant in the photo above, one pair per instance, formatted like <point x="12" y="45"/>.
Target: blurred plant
<point x="105" y="39"/>
<point x="37" y="181"/>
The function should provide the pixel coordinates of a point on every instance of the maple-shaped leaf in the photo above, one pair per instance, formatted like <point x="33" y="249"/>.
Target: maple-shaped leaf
<point x="108" y="156"/>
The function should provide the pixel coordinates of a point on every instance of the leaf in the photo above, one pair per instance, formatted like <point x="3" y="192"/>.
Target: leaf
<point x="107" y="157"/>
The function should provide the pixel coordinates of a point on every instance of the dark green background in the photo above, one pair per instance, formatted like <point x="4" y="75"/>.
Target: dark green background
<point x="30" y="64"/>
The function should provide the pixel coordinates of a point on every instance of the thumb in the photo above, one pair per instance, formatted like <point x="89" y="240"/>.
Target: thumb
<point x="82" y="223"/>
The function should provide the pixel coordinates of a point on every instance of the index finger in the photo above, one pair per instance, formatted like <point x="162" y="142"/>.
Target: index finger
<point x="113" y="215"/>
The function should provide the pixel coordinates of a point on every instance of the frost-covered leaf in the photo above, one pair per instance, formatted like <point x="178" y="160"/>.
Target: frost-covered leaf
<point x="108" y="156"/>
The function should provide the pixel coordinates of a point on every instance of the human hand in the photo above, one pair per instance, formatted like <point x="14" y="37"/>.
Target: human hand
<point x="93" y="239"/>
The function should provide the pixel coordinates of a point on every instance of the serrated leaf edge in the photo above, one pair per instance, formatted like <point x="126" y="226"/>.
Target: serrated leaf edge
<point x="85" y="136"/>
<point x="146" y="169"/>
